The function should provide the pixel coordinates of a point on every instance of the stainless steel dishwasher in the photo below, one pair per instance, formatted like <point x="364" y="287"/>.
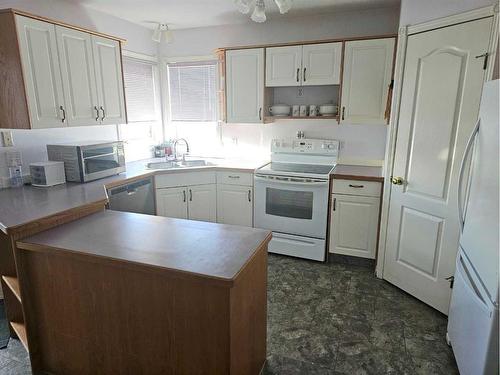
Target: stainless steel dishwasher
<point x="136" y="197"/>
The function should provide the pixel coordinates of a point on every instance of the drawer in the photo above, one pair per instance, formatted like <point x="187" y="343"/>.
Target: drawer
<point x="355" y="187"/>
<point x="184" y="179"/>
<point x="235" y="178"/>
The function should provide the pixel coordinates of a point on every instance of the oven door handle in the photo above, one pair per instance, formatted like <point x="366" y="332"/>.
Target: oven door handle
<point x="289" y="181"/>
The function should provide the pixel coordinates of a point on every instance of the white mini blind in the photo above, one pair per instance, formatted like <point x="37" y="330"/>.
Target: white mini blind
<point x="140" y="87"/>
<point x="193" y="91"/>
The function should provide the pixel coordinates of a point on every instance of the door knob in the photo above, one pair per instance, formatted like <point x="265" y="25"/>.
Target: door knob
<point x="397" y="180"/>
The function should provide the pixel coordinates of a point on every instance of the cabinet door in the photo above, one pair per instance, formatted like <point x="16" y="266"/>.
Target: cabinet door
<point x="202" y="202"/>
<point x="108" y="68"/>
<point x="283" y="66"/>
<point x="235" y="204"/>
<point x="367" y="76"/>
<point x="42" y="74"/>
<point x="172" y="202"/>
<point x="354" y="225"/>
<point x="78" y="76"/>
<point x="321" y="64"/>
<point x="245" y="85"/>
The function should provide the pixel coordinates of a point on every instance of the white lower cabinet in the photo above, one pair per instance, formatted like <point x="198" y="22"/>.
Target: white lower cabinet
<point x="197" y="202"/>
<point x="235" y="204"/>
<point x="202" y="202"/>
<point x="354" y="225"/>
<point x="172" y="202"/>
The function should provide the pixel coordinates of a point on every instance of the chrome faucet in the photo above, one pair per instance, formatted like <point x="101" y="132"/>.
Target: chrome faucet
<point x="175" y="148"/>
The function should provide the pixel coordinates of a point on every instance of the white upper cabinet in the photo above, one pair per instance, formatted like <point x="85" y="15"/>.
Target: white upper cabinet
<point x="77" y="68"/>
<point x="366" y="79"/>
<point x="283" y="66"/>
<point x="245" y="85"/>
<point x="71" y="77"/>
<point x="321" y="64"/>
<point x="307" y="65"/>
<point x="108" y="68"/>
<point x="42" y="74"/>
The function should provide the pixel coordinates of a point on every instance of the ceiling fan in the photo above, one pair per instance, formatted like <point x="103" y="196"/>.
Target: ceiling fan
<point x="259" y="10"/>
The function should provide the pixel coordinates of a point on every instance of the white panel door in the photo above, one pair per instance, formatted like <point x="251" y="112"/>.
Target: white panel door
<point x="108" y="68"/>
<point x="202" y="202"/>
<point x="42" y="74"/>
<point x="321" y="64"/>
<point x="245" y="85"/>
<point x="440" y="99"/>
<point x="366" y="79"/>
<point x="354" y="225"/>
<point x="235" y="204"/>
<point x="284" y="66"/>
<point x="172" y="202"/>
<point x="78" y="76"/>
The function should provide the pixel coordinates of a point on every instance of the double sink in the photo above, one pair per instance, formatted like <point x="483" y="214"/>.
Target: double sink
<point x="179" y="164"/>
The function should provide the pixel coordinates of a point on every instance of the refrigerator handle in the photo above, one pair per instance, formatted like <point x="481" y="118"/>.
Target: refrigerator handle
<point x="468" y="148"/>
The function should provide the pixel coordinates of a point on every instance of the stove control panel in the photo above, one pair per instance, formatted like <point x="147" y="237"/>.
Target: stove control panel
<point x="305" y="146"/>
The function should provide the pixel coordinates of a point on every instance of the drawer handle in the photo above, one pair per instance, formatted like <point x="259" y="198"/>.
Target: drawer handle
<point x="356" y="186"/>
<point x="233" y="176"/>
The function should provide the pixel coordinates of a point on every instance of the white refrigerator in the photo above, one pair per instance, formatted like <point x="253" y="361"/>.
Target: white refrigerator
<point x="473" y="316"/>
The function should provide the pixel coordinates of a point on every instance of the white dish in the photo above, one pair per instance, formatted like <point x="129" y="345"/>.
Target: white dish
<point x="328" y="109"/>
<point x="279" y="110"/>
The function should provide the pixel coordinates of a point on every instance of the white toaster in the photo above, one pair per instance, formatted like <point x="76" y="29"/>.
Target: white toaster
<point x="47" y="173"/>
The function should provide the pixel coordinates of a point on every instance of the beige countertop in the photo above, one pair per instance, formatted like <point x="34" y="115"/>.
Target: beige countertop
<point x="19" y="206"/>
<point x="157" y="242"/>
<point x="358" y="172"/>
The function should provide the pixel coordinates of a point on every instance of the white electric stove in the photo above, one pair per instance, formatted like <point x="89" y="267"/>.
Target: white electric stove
<point x="291" y="196"/>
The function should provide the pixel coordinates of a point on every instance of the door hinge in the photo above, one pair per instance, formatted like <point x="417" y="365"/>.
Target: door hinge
<point x="451" y="280"/>
<point x="486" y="56"/>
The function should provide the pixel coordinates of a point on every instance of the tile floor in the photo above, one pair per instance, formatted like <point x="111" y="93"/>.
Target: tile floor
<point x="333" y="319"/>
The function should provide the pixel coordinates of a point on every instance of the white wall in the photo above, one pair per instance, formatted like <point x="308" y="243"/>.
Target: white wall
<point x="361" y="142"/>
<point x="418" y="11"/>
<point x="33" y="143"/>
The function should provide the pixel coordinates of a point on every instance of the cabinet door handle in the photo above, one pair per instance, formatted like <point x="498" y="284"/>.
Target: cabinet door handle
<point x="304" y="77"/>
<point x="298" y="71"/>
<point x="249" y="195"/>
<point x="190" y="195"/>
<point x="103" y="113"/>
<point x="96" y="113"/>
<point x="64" y="113"/>
<point x="356" y="186"/>
<point x="334" y="204"/>
<point x="184" y="195"/>
<point x="260" y="113"/>
<point x="343" y="113"/>
<point x="234" y="177"/>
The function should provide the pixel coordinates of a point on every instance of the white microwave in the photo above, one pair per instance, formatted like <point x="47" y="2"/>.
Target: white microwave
<point x="88" y="161"/>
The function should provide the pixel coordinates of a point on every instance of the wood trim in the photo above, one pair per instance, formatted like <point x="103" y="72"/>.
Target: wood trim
<point x="320" y="41"/>
<point x="60" y="23"/>
<point x="13" y="285"/>
<point x="14" y="112"/>
<point x="20" y="331"/>
<point x="339" y="103"/>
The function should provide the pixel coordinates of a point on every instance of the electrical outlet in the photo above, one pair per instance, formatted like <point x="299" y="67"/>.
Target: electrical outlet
<point x="7" y="139"/>
<point x="235" y="140"/>
<point x="300" y="92"/>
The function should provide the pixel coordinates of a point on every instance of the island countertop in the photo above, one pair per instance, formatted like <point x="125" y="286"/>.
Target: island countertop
<point x="205" y="249"/>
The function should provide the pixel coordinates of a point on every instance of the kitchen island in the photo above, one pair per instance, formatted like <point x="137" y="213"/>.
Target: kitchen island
<point x="126" y="293"/>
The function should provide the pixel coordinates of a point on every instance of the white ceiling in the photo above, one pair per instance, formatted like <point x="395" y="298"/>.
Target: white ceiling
<point x="182" y="14"/>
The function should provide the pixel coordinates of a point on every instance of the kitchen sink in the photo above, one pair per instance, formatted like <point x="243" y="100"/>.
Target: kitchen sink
<point x="193" y="163"/>
<point x="162" y="165"/>
<point x="178" y="164"/>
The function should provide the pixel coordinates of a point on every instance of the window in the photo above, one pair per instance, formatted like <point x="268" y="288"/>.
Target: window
<point x="143" y="108"/>
<point x="193" y="91"/>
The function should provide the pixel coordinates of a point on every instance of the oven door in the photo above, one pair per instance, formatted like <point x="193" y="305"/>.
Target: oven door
<point x="291" y="205"/>
<point x="102" y="160"/>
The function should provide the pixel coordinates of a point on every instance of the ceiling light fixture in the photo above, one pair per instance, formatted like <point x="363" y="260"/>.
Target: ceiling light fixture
<point x="259" y="10"/>
<point x="162" y="34"/>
